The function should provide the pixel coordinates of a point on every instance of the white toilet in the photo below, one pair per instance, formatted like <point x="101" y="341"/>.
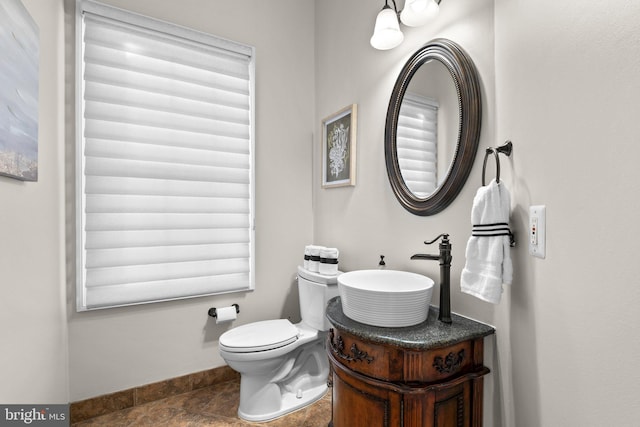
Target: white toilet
<point x="283" y="367"/>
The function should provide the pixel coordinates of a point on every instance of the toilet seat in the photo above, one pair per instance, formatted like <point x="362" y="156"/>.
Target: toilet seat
<point x="259" y="336"/>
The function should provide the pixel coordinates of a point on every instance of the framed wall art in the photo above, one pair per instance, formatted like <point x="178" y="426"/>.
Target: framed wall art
<point x="339" y="148"/>
<point x="19" y="67"/>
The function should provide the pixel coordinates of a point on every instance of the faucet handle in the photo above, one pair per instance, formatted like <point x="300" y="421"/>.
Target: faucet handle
<point x="445" y="238"/>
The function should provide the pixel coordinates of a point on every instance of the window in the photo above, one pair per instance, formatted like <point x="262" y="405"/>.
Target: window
<point x="165" y="169"/>
<point x="417" y="144"/>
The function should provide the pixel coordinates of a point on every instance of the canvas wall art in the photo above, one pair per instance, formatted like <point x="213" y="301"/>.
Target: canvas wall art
<point x="339" y="148"/>
<point x="19" y="67"/>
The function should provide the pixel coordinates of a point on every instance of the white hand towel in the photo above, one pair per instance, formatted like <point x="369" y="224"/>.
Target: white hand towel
<point x="488" y="263"/>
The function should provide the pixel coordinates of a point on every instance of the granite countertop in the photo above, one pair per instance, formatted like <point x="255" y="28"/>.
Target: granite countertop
<point x="429" y="334"/>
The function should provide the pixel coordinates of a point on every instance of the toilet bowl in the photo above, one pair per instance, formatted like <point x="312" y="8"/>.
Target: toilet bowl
<point x="283" y="366"/>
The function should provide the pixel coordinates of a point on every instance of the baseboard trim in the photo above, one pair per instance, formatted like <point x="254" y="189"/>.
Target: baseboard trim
<point x="101" y="405"/>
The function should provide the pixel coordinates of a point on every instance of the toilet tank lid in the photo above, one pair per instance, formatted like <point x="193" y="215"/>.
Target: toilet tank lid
<point x="259" y="336"/>
<point x="317" y="277"/>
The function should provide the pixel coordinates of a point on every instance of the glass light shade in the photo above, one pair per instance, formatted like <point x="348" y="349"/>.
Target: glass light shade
<point x="418" y="12"/>
<point x="386" y="33"/>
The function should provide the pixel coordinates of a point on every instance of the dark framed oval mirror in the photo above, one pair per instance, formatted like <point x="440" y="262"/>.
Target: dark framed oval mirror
<point x="433" y="127"/>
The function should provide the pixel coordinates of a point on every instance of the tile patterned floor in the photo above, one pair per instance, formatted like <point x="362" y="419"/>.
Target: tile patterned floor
<point x="214" y="406"/>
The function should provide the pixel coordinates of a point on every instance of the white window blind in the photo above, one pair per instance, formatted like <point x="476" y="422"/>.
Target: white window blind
<point x="417" y="140"/>
<point x="165" y="174"/>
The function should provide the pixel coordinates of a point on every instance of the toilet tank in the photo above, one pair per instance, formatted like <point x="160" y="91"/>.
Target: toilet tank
<point x="315" y="290"/>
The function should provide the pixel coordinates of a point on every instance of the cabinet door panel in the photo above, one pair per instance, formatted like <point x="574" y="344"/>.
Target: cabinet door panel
<point x="357" y="408"/>
<point x="452" y="406"/>
<point x="357" y="403"/>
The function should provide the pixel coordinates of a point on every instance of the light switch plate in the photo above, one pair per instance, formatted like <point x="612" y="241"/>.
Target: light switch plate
<point x="537" y="230"/>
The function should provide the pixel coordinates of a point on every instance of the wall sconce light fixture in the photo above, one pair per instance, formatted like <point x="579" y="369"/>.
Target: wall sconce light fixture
<point x="387" y="34"/>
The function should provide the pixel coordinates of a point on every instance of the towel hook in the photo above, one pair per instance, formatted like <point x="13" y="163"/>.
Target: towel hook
<point x="484" y="164"/>
<point x="506" y="149"/>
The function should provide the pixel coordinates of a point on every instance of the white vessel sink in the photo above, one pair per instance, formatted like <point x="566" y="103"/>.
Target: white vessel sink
<point x="387" y="298"/>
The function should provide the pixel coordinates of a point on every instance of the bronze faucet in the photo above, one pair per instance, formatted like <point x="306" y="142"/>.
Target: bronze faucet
<point x="445" y="274"/>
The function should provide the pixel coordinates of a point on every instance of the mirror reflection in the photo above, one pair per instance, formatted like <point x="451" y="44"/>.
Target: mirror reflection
<point x="433" y="127"/>
<point x="427" y="132"/>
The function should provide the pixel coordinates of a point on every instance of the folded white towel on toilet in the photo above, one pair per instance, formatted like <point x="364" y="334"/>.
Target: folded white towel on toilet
<point x="488" y="263"/>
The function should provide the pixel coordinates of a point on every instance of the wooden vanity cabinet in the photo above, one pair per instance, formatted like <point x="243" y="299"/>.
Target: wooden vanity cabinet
<point x="381" y="384"/>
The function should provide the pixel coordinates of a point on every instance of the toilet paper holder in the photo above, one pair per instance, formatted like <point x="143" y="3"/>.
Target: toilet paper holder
<point x="213" y="312"/>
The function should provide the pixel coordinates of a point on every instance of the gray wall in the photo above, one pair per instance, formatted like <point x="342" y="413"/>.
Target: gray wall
<point x="116" y="349"/>
<point x="366" y="221"/>
<point x="33" y="330"/>
<point x="566" y="93"/>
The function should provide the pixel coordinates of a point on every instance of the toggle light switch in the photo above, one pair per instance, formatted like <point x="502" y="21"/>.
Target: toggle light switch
<point x="537" y="230"/>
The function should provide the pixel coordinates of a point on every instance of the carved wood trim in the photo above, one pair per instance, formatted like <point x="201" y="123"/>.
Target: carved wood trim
<point x="460" y="411"/>
<point x="478" y="351"/>
<point x="413" y="365"/>
<point x="338" y="346"/>
<point x="450" y="364"/>
<point x="476" y="400"/>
